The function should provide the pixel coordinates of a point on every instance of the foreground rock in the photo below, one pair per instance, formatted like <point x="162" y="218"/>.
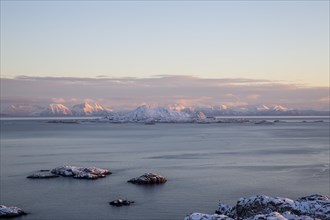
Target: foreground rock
<point x="10" y="212"/>
<point x="81" y="172"/>
<point x="148" y="178"/>
<point x="43" y="174"/>
<point x="201" y="216"/>
<point x="120" y="202"/>
<point x="261" y="207"/>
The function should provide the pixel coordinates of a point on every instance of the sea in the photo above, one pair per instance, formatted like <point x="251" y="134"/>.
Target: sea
<point x="204" y="163"/>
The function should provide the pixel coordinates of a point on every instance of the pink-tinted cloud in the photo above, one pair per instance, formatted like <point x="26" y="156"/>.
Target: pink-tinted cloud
<point x="127" y="92"/>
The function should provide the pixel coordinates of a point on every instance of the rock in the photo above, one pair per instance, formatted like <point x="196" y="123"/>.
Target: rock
<point x="64" y="121"/>
<point x="314" y="206"/>
<point x="261" y="207"/>
<point x="263" y="122"/>
<point x="10" y="212"/>
<point x="81" y="172"/>
<point x="201" y="216"/>
<point x="261" y="204"/>
<point x="42" y="174"/>
<point x="148" y="178"/>
<point x="225" y="209"/>
<point x="278" y="216"/>
<point x="120" y="202"/>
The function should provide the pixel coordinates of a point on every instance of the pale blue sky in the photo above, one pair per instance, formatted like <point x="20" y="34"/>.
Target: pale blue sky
<point x="275" y="40"/>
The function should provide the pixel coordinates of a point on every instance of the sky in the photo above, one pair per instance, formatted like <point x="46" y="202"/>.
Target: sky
<point x="285" y="40"/>
<point x="281" y="42"/>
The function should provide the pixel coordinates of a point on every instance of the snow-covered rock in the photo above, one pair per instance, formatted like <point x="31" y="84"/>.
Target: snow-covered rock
<point x="10" y="212"/>
<point x="314" y="206"/>
<point x="201" y="216"/>
<point x="261" y="207"/>
<point x="279" y="216"/>
<point x="148" y="178"/>
<point x="81" y="172"/>
<point x="270" y="216"/>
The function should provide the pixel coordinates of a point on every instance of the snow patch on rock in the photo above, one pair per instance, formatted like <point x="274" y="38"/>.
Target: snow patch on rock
<point x="261" y="207"/>
<point x="81" y="172"/>
<point x="10" y="212"/>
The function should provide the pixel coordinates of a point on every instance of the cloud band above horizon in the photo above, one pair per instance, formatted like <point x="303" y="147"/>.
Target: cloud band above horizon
<point x="129" y="92"/>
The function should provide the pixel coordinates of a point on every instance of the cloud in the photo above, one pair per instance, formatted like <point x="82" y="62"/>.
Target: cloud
<point x="128" y="92"/>
<point x="253" y="97"/>
<point x="58" y="100"/>
<point x="325" y="99"/>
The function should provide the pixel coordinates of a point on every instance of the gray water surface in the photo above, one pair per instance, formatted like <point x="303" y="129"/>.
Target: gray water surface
<point x="204" y="163"/>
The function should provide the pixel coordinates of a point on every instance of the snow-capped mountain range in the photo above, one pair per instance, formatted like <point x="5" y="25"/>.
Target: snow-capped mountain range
<point x="147" y="113"/>
<point x="84" y="109"/>
<point x="152" y="113"/>
<point x="175" y="113"/>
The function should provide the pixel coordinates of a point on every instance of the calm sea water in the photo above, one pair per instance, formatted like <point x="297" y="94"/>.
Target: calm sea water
<point x="204" y="163"/>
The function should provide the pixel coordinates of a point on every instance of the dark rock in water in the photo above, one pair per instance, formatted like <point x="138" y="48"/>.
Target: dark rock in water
<point x="148" y="178"/>
<point x="10" y="212"/>
<point x="120" y="202"/>
<point x="279" y="121"/>
<point x="43" y="174"/>
<point x="263" y="122"/>
<point x="63" y="121"/>
<point x="81" y="172"/>
<point x="261" y="207"/>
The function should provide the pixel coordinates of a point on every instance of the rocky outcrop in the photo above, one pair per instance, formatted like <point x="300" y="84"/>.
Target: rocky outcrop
<point x="43" y="174"/>
<point x="120" y="202"/>
<point x="81" y="172"/>
<point x="261" y="207"/>
<point x="148" y="178"/>
<point x="315" y="206"/>
<point x="279" y="216"/>
<point x="10" y="212"/>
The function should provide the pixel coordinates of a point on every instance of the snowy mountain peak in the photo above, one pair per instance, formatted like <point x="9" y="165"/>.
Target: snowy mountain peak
<point x="177" y="107"/>
<point x="23" y="110"/>
<point x="262" y="108"/>
<point x="57" y="110"/>
<point x="89" y="109"/>
<point x="223" y="107"/>
<point x="280" y="108"/>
